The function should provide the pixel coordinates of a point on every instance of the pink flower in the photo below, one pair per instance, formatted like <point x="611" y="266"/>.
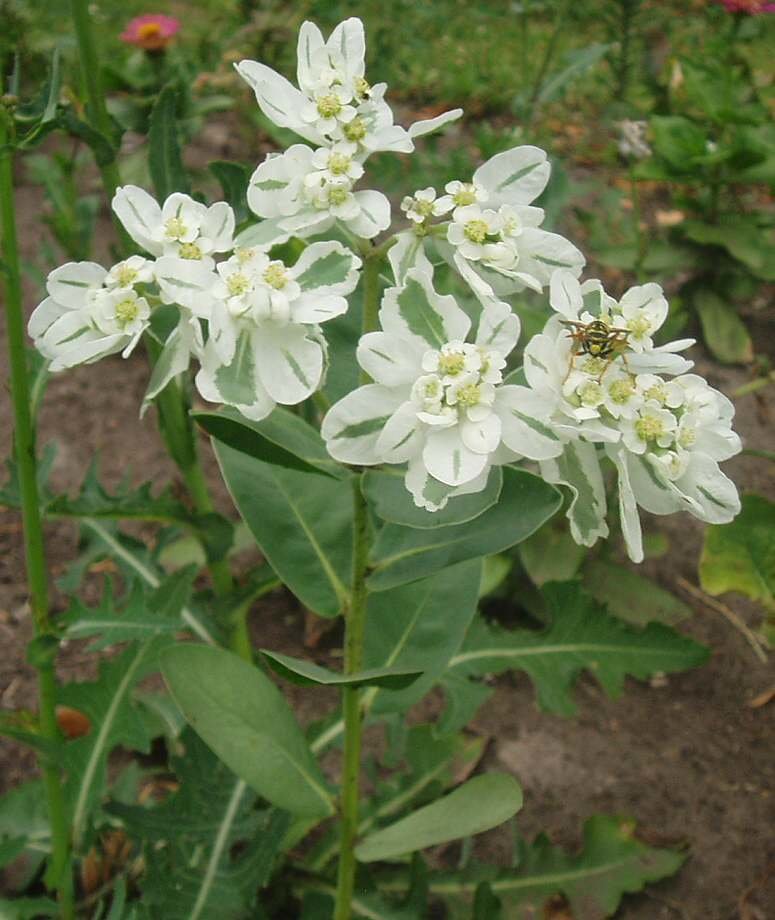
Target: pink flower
<point x="152" y="31"/>
<point x="751" y="7"/>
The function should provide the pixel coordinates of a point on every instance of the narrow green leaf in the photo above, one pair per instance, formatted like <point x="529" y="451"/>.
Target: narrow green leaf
<point x="386" y="492"/>
<point x="302" y="524"/>
<point x="403" y="554"/>
<point x="233" y="179"/>
<point x="243" y="717"/>
<point x="164" y="158"/>
<point x="282" y="439"/>
<point x="304" y="672"/>
<point x="478" y="805"/>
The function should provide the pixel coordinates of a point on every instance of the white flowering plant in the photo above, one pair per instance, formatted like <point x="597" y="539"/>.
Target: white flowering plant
<point x="382" y="474"/>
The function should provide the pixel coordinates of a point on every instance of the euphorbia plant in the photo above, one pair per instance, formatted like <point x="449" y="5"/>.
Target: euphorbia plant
<point x="380" y="507"/>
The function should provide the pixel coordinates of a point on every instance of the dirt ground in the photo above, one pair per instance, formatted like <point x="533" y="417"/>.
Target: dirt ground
<point x="689" y="757"/>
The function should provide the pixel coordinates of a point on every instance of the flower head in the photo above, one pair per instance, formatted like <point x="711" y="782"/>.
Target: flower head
<point x="151" y="32"/>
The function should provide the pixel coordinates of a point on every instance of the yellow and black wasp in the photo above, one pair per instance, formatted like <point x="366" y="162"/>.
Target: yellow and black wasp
<point x="596" y="339"/>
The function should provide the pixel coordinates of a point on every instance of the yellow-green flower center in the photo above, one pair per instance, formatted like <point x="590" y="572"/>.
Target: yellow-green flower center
<point x="355" y="130"/>
<point x="422" y="207"/>
<point x="126" y="275"/>
<point x="174" y="227"/>
<point x="649" y="428"/>
<point x="126" y="311"/>
<point x="594" y="365"/>
<point x="688" y="437"/>
<point x="657" y="393"/>
<point x="621" y="390"/>
<point x="339" y="163"/>
<point x="244" y="255"/>
<point x="639" y="326"/>
<point x="591" y="393"/>
<point x="464" y="196"/>
<point x="337" y="196"/>
<point x="238" y="284"/>
<point x="451" y="364"/>
<point x="276" y="275"/>
<point x="468" y="395"/>
<point x="190" y="251"/>
<point x="476" y="230"/>
<point x="329" y="106"/>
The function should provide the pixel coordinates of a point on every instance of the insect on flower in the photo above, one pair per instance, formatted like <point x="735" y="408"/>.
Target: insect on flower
<point x="597" y="339"/>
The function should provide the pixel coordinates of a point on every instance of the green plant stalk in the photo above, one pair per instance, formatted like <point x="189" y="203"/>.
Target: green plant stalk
<point x="355" y="625"/>
<point x="37" y="577"/>
<point x="96" y="108"/>
<point x="355" y="622"/>
<point x="549" y="52"/>
<point x="641" y="238"/>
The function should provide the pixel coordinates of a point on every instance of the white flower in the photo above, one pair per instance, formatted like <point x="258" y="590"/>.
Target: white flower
<point x="305" y="198"/>
<point x="438" y="402"/>
<point x="265" y="345"/>
<point x="501" y="249"/>
<point x="82" y="320"/>
<point x="632" y="139"/>
<point x="134" y="270"/>
<point x="182" y="227"/>
<point x="334" y="101"/>
<point x="337" y="163"/>
<point x="423" y="205"/>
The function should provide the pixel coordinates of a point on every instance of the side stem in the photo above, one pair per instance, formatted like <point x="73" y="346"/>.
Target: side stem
<point x="37" y="577"/>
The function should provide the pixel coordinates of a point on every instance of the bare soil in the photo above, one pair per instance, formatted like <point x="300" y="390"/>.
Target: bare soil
<point x="689" y="757"/>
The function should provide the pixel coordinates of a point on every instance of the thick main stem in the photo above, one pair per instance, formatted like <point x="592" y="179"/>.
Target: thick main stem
<point x="355" y="625"/>
<point x="355" y="622"/>
<point x="37" y="577"/>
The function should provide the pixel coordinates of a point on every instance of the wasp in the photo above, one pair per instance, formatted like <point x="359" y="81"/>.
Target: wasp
<point x="597" y="339"/>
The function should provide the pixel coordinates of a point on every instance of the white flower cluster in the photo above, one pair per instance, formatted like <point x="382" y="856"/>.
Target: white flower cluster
<point x="306" y="189"/>
<point x="595" y="389"/>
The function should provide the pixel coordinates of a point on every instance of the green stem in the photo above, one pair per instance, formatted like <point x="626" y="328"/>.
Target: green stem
<point x="98" y="114"/>
<point x="641" y="238"/>
<point x="37" y="576"/>
<point x="355" y="625"/>
<point x="549" y="51"/>
<point x="355" y="622"/>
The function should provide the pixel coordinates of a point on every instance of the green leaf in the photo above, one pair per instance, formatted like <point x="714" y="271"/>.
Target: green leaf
<point x="481" y="803"/>
<point x="308" y="673"/>
<point x="302" y="524"/>
<point x="632" y="597"/>
<point x="23" y="815"/>
<point x="386" y="492"/>
<point x="577" y="63"/>
<point x="551" y="554"/>
<point x="144" y="616"/>
<point x="740" y="556"/>
<point x="164" y="159"/>
<point x="109" y="707"/>
<point x="233" y="179"/>
<point x="722" y="329"/>
<point x="243" y="717"/>
<point x="743" y="239"/>
<point x="612" y="863"/>
<point x="282" y="439"/>
<point x="581" y="636"/>
<point x="402" y="554"/>
<point x="103" y="148"/>
<point x="207" y="848"/>
<point x="28" y="908"/>
<point x="678" y="141"/>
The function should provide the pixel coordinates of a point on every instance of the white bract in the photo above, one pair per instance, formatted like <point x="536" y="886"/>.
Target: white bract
<point x="88" y="314"/>
<point x="333" y="101"/>
<point x="265" y="345"/>
<point x="181" y="227"/>
<point x="664" y="434"/>
<point x="438" y="403"/>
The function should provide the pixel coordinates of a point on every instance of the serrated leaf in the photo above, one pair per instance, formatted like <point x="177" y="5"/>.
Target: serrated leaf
<point x="612" y="863"/>
<point x="403" y="554"/>
<point x="238" y="712"/>
<point x="632" y="597"/>
<point x="307" y="673"/>
<point x="302" y="524"/>
<point x="740" y="556"/>
<point x="475" y="806"/>
<point x="207" y="848"/>
<point x="282" y="439"/>
<point x="143" y="616"/>
<point x="582" y="636"/>
<point x="164" y="159"/>
<point x="109" y="707"/>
